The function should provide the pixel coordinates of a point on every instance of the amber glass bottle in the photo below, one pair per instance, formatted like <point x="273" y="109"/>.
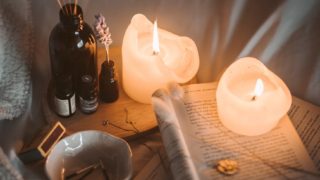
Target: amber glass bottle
<point x="73" y="48"/>
<point x="88" y="96"/>
<point x="109" y="90"/>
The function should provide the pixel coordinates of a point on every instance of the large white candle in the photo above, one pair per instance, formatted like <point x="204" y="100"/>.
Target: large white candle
<point x="250" y="98"/>
<point x="144" y="69"/>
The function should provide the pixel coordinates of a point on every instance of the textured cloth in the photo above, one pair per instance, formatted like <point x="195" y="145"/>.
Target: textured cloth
<point x="7" y="171"/>
<point x="15" y="57"/>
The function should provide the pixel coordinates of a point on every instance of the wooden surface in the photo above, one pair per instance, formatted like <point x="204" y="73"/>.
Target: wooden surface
<point x="125" y="116"/>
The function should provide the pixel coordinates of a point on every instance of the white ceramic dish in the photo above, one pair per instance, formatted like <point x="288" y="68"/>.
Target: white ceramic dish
<point x="85" y="148"/>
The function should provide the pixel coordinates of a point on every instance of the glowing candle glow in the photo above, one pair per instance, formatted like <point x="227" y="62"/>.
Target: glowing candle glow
<point x="250" y="98"/>
<point x="258" y="90"/>
<point x="152" y="57"/>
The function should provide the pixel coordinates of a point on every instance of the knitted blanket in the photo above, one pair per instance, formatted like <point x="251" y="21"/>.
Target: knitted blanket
<point x="16" y="49"/>
<point x="7" y="170"/>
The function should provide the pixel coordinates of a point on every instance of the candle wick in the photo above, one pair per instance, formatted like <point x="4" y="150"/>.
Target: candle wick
<point x="155" y="53"/>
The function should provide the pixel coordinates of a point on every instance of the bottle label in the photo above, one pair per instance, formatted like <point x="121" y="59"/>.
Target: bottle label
<point x="65" y="107"/>
<point x="88" y="106"/>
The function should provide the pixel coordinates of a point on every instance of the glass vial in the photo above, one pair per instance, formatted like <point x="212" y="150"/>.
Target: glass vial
<point x="73" y="48"/>
<point x="88" y="96"/>
<point x="109" y="90"/>
<point x="64" y="98"/>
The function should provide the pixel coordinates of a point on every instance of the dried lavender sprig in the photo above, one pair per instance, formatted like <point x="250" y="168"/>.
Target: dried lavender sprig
<point x="102" y="32"/>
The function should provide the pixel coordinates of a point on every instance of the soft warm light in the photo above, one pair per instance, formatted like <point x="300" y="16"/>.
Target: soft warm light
<point x="260" y="114"/>
<point x="259" y="88"/>
<point x="177" y="62"/>
<point x="155" y="44"/>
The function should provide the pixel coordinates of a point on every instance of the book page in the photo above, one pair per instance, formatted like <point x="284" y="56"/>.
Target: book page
<point x="278" y="154"/>
<point x="306" y="119"/>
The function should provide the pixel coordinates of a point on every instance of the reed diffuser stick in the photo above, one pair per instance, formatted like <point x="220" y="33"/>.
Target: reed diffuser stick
<point x="60" y="6"/>
<point x="64" y="7"/>
<point x="70" y="3"/>
<point x="75" y="7"/>
<point x="59" y="3"/>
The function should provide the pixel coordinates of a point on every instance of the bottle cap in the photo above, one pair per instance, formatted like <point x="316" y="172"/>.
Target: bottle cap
<point x="87" y="86"/>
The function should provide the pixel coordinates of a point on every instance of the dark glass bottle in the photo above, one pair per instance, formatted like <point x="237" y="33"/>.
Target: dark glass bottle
<point x="88" y="97"/>
<point x="109" y="90"/>
<point x="64" y="96"/>
<point x="73" y="47"/>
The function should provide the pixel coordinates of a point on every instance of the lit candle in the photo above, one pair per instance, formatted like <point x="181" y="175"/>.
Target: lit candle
<point x="250" y="98"/>
<point x="258" y="89"/>
<point x="152" y="57"/>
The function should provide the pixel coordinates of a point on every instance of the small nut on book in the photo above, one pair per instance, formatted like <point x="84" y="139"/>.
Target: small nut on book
<point x="227" y="167"/>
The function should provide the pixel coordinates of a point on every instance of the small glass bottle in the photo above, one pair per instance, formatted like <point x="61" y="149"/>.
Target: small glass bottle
<point x="73" y="47"/>
<point x="109" y="90"/>
<point x="88" y="96"/>
<point x="64" y="97"/>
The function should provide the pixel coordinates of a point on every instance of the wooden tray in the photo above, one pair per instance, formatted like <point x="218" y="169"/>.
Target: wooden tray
<point x="124" y="118"/>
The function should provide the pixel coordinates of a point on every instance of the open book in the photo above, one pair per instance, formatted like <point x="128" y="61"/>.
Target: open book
<point x="195" y="140"/>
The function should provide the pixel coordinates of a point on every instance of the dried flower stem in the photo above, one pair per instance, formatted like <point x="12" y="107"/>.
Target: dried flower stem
<point x="107" y="51"/>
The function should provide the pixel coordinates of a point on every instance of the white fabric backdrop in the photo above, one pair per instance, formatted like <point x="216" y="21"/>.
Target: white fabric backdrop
<point x="284" y="35"/>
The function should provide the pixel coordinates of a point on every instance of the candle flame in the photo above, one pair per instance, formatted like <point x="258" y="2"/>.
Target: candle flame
<point x="258" y="90"/>
<point x="155" y="45"/>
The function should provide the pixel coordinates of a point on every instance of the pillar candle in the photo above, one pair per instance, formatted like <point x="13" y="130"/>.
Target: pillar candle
<point x="144" y="69"/>
<point x="250" y="98"/>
